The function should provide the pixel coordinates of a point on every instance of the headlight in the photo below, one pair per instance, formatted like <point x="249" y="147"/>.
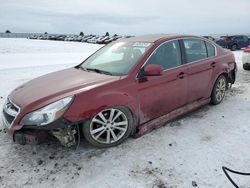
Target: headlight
<point x="47" y="114"/>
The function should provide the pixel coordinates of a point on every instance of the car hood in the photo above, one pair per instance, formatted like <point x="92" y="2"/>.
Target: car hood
<point x="54" y="86"/>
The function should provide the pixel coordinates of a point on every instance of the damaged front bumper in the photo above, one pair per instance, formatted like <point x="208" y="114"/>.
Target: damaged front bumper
<point x="62" y="129"/>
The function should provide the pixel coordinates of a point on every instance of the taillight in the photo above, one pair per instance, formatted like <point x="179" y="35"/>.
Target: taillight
<point x="246" y="50"/>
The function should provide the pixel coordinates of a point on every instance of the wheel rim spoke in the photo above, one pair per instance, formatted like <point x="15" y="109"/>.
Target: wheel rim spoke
<point x="108" y="137"/>
<point x="117" y="115"/>
<point x="102" y="117"/>
<point x="113" y="135"/>
<point x="98" y="121"/>
<point x="100" y="134"/>
<point x="120" y="128"/>
<point x="97" y="130"/>
<point x="112" y="111"/>
<point x="120" y="123"/>
<point x="218" y="96"/>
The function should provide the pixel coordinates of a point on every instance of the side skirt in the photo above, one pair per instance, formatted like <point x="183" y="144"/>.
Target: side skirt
<point x="158" y="122"/>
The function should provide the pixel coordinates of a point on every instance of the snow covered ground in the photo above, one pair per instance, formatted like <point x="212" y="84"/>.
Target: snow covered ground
<point x="188" y="152"/>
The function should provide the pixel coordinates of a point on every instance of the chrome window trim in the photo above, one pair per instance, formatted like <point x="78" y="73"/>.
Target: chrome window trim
<point x="205" y="40"/>
<point x="3" y="118"/>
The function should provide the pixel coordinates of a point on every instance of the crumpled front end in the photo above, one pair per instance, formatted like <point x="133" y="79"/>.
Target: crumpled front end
<point x="33" y="134"/>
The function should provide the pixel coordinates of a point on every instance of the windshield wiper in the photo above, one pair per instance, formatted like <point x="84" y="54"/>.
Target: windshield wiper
<point x="84" y="69"/>
<point x="98" y="71"/>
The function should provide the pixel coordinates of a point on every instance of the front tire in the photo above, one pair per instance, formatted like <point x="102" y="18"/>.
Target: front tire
<point x="219" y="90"/>
<point x="108" y="128"/>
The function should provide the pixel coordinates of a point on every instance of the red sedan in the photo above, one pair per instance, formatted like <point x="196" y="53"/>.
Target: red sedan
<point x="128" y="87"/>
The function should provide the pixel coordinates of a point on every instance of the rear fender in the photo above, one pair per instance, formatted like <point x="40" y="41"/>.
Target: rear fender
<point x="230" y="75"/>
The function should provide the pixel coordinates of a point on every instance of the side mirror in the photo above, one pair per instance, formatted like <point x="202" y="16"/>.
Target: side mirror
<point x="153" y="70"/>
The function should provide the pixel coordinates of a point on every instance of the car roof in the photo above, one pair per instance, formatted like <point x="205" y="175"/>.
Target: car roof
<point x="154" y="38"/>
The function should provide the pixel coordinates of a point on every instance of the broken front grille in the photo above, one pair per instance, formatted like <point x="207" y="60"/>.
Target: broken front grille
<point x="10" y="111"/>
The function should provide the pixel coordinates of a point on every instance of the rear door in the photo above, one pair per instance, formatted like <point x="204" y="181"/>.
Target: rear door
<point x="159" y="95"/>
<point x="199" y="58"/>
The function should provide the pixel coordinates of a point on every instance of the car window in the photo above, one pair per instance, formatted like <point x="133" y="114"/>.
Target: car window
<point x="210" y="50"/>
<point x="167" y="55"/>
<point x="195" y="49"/>
<point x="117" y="58"/>
<point x="110" y="56"/>
<point x="238" y="38"/>
<point x="245" y="38"/>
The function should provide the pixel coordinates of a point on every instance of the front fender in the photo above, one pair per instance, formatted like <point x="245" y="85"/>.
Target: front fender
<point x="85" y="106"/>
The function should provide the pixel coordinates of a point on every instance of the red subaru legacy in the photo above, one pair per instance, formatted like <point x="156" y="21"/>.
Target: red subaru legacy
<point x="128" y="87"/>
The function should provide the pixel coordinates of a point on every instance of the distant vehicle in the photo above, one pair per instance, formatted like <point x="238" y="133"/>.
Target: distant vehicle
<point x="69" y="38"/>
<point x="61" y="37"/>
<point x="86" y="38"/>
<point x="52" y="37"/>
<point x="246" y="58"/>
<point x="93" y="40"/>
<point x="102" y="39"/>
<point x="77" y="38"/>
<point x="210" y="38"/>
<point x="234" y="42"/>
<point x="111" y="39"/>
<point x="98" y="39"/>
<point x="129" y="87"/>
<point x="33" y="37"/>
<point x="41" y="37"/>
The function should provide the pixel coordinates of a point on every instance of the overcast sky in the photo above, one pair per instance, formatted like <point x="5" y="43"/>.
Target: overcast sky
<point x="132" y="17"/>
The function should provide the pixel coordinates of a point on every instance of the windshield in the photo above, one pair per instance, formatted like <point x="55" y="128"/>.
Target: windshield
<point x="116" y="58"/>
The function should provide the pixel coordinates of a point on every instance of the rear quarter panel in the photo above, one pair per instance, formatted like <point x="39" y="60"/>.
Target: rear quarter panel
<point x="225" y="63"/>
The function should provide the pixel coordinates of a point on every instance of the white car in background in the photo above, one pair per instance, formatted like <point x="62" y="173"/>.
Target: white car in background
<point x="246" y="58"/>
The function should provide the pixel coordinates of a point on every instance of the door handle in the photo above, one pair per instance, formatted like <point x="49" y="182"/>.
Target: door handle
<point x="213" y="64"/>
<point x="181" y="75"/>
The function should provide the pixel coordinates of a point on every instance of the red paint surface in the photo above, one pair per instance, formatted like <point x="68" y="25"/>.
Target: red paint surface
<point x="152" y="101"/>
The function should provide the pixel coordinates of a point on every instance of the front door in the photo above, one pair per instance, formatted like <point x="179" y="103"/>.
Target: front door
<point x="159" y="95"/>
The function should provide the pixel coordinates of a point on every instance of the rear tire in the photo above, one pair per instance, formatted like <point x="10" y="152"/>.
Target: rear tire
<point x="108" y="128"/>
<point x="219" y="90"/>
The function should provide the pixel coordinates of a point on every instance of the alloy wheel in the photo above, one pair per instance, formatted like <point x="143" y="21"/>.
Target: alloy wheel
<point x="220" y="89"/>
<point x="109" y="126"/>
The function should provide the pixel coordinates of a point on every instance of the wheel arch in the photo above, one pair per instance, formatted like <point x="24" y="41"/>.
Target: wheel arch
<point x="217" y="76"/>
